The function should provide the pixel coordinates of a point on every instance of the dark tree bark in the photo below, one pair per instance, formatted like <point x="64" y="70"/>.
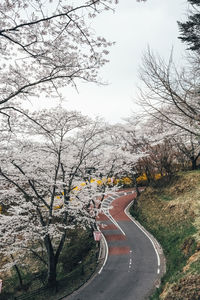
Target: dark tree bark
<point x="52" y="263"/>
<point x="194" y="162"/>
<point x="18" y="273"/>
<point x="136" y="186"/>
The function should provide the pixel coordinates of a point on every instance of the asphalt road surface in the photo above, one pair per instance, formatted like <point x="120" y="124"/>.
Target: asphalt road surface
<point x="131" y="269"/>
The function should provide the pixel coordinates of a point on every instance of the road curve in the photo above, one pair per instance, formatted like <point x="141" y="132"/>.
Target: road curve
<point x="132" y="267"/>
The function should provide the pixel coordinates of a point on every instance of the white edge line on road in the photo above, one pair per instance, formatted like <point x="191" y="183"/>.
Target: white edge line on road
<point x="105" y="260"/>
<point x="139" y="226"/>
<point x="114" y="222"/>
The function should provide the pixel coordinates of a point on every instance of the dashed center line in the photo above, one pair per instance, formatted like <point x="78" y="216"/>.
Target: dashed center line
<point x="130" y="261"/>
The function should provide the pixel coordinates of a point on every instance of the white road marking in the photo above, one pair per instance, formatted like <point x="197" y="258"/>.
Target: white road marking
<point x="114" y="222"/>
<point x="140" y="227"/>
<point x="130" y="261"/>
<point x="106" y="212"/>
<point x="106" y="254"/>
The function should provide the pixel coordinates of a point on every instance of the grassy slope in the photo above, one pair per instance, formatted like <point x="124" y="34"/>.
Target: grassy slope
<point x="171" y="211"/>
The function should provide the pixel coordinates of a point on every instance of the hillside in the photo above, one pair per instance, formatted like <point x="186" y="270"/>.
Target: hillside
<point x="170" y="210"/>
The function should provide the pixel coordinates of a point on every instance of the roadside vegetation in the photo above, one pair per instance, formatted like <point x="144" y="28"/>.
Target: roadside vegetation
<point x="170" y="209"/>
<point x="76" y="265"/>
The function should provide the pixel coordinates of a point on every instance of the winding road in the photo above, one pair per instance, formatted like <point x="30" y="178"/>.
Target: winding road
<point x="132" y="266"/>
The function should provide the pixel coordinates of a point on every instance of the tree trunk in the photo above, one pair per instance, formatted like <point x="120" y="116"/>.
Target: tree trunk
<point x="52" y="264"/>
<point x="52" y="272"/>
<point x="18" y="273"/>
<point x="136" y="186"/>
<point x="148" y="174"/>
<point x="194" y="163"/>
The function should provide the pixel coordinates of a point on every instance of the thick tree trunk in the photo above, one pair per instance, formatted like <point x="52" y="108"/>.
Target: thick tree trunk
<point x="194" y="163"/>
<point x="52" y="272"/>
<point x="52" y="264"/>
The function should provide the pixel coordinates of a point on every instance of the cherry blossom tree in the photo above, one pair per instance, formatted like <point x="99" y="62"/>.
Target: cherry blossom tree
<point x="46" y="45"/>
<point x="183" y="146"/>
<point x="128" y="140"/>
<point x="188" y="145"/>
<point x="53" y="177"/>
<point x="42" y="187"/>
<point x="152" y="142"/>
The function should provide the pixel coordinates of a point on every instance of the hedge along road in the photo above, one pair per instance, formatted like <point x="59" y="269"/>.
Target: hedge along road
<point x="133" y="266"/>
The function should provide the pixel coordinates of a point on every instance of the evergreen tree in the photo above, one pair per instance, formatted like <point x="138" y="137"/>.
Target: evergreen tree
<point x="190" y="30"/>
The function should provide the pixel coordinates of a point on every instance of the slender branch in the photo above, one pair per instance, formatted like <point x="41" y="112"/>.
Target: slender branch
<point x="49" y="18"/>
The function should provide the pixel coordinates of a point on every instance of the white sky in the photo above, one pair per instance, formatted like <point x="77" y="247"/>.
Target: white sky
<point x="133" y="27"/>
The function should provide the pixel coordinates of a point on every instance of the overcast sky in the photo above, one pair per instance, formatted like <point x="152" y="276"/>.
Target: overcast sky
<point x="133" y="27"/>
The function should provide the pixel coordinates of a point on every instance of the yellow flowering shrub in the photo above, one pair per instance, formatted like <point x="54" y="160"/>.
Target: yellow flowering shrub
<point x="99" y="182"/>
<point x="141" y="178"/>
<point x="157" y="176"/>
<point x="57" y="206"/>
<point x="116" y="181"/>
<point x="76" y="188"/>
<point x="109" y="181"/>
<point x="126" y="181"/>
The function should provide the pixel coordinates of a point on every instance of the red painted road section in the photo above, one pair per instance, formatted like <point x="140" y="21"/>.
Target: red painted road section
<point x="119" y="250"/>
<point x="115" y="237"/>
<point x="117" y="212"/>
<point x="119" y="204"/>
<point x="107" y="227"/>
<point x="101" y="217"/>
